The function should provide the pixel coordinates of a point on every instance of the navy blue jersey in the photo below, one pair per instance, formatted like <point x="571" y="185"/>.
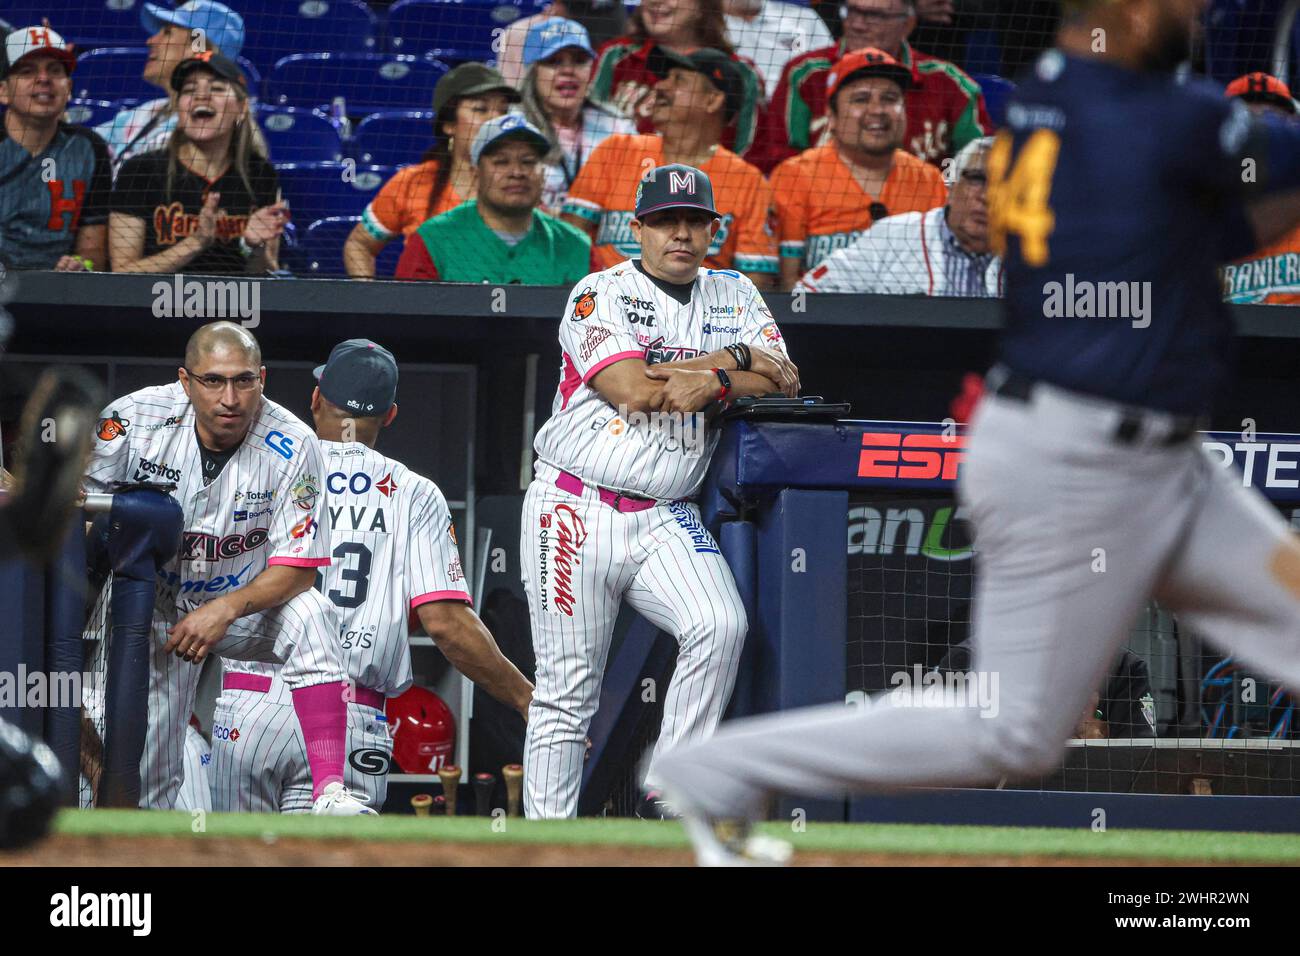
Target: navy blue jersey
<point x="1115" y="195"/>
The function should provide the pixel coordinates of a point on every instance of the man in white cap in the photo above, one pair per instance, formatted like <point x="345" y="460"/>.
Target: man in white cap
<point x="175" y="35"/>
<point x="54" y="178"/>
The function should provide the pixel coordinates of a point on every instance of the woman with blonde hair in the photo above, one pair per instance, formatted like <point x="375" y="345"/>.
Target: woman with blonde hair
<point x="557" y="100"/>
<point x="208" y="202"/>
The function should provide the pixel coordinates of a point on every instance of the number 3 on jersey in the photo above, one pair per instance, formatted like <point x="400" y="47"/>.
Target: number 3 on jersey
<point x="357" y="575"/>
<point x="1018" y="199"/>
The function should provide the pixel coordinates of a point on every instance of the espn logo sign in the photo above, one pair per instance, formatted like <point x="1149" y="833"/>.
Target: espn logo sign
<point x="894" y="455"/>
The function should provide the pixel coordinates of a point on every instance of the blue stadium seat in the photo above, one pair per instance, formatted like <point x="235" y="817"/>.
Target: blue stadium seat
<point x="458" y="29"/>
<point x="114" y="73"/>
<point x="393" y="138"/>
<point x="90" y="112"/>
<point x="278" y="29"/>
<point x="996" y="90"/>
<point x="368" y="82"/>
<point x="299" y="136"/>
<point x="85" y="23"/>
<point x="321" y="248"/>
<point x="321" y="190"/>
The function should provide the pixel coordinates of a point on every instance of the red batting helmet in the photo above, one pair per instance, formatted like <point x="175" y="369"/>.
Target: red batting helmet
<point x="424" y="731"/>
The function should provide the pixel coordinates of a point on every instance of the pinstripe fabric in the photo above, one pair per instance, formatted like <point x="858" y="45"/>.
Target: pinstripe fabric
<point x="670" y="570"/>
<point x="196" y="789"/>
<point x="394" y="549"/>
<point x="265" y="507"/>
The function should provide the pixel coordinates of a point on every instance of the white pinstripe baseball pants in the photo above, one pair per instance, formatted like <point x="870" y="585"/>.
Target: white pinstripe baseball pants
<point x="302" y="633"/>
<point x="581" y="558"/>
<point x="259" y="759"/>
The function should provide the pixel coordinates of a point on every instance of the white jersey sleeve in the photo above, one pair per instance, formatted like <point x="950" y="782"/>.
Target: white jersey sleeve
<point x="595" y="333"/>
<point x="110" y="456"/>
<point x="299" y="535"/>
<point x="759" y="326"/>
<point x="433" y="556"/>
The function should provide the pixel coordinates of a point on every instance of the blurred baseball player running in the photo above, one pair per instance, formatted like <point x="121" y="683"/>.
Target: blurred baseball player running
<point x="608" y="515"/>
<point x="1087" y="489"/>
<point x="248" y="476"/>
<point x="394" y="550"/>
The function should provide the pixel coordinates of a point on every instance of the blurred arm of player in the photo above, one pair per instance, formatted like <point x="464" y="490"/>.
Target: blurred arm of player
<point x="466" y="642"/>
<point x="194" y="635"/>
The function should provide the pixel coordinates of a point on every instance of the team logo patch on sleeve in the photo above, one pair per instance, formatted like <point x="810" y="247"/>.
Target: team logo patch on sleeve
<point x="112" y="427"/>
<point x="304" y="491"/>
<point x="451" y="532"/>
<point x="771" y="333"/>
<point x="584" y="305"/>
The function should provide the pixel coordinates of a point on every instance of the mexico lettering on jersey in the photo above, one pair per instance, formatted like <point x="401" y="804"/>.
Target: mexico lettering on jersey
<point x="620" y="314"/>
<point x="265" y="508"/>
<point x="394" y="548"/>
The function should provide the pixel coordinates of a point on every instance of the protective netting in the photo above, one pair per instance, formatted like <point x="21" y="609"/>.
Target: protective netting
<point x="343" y="129"/>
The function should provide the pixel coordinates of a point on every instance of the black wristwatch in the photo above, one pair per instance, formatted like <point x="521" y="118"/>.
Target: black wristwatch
<point x="725" y="380"/>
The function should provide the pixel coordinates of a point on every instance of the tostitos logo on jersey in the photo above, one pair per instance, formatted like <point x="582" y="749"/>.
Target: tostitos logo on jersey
<point x="584" y="305"/>
<point x="149" y="470"/>
<point x="305" y="491"/>
<point x="112" y="427"/>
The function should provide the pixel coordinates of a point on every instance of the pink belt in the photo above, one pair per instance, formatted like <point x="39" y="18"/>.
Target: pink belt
<point x="260" y="684"/>
<point x="615" y="499"/>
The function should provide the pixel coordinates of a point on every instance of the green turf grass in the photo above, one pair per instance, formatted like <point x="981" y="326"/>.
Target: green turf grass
<point x="1214" y="847"/>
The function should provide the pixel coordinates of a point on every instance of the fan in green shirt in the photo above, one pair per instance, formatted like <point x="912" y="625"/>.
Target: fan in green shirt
<point x="500" y="237"/>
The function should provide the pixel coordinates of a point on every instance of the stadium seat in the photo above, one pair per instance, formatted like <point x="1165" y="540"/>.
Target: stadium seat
<point x="89" y="112"/>
<point x="273" y="31"/>
<point x="299" y="136"/>
<point x="114" y="73"/>
<point x="367" y="82"/>
<point x="321" y="248"/>
<point x="393" y="138"/>
<point x="996" y="90"/>
<point x="85" y="23"/>
<point x="452" y="30"/>
<point x="321" y="190"/>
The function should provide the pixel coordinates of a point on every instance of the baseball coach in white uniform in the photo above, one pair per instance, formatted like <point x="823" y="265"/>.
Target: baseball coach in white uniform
<point x="648" y="346"/>
<point x="394" y="554"/>
<point x="248" y="478"/>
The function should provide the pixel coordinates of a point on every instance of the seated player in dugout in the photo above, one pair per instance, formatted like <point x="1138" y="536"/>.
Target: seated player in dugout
<point x="463" y="100"/>
<point x="1271" y="274"/>
<point x="944" y="251"/>
<point x="55" y="181"/>
<point x="208" y="203"/>
<point x="827" y="196"/>
<point x="627" y="77"/>
<point x="502" y="236"/>
<point x="695" y="99"/>
<point x="945" y="108"/>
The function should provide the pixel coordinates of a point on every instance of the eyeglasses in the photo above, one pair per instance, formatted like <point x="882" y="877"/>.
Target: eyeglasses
<point x="870" y="16"/>
<point x="243" y="383"/>
<point x="877" y="211"/>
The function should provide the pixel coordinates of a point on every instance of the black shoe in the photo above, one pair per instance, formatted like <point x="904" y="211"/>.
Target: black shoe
<point x="653" y="807"/>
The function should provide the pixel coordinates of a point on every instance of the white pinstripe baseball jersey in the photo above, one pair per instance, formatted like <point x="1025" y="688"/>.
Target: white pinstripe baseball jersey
<point x="264" y="508"/>
<point x="619" y="314"/>
<point x="394" y="548"/>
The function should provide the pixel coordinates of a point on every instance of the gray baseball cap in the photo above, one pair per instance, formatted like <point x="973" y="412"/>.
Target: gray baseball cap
<point x="360" y="376"/>
<point x="676" y="186"/>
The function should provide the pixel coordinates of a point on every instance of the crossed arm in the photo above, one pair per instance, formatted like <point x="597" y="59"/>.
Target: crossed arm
<point x="194" y="635"/>
<point x="689" y="385"/>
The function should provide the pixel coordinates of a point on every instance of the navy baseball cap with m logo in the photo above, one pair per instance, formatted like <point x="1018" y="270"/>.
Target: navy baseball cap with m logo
<point x="676" y="186"/>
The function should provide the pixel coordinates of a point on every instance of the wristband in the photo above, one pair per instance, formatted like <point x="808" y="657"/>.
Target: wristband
<point x="737" y="356"/>
<point x="86" y="264"/>
<point x="725" y="380"/>
<point x="749" y="356"/>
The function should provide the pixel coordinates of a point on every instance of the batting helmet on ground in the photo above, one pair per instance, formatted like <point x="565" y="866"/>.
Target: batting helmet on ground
<point x="424" y="731"/>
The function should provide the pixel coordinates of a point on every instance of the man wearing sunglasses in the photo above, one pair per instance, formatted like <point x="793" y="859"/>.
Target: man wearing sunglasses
<point x="943" y="251"/>
<point x="945" y="109"/>
<point x="829" y="195"/>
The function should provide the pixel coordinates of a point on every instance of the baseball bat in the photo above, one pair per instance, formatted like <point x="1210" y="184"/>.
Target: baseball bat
<point x="439" y="806"/>
<point x="450" y="777"/>
<point x="484" y="784"/>
<point x="514" y="774"/>
<point x="420" y="803"/>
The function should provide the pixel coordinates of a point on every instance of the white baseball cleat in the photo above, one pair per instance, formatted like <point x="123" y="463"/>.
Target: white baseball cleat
<point x="729" y="843"/>
<point x="337" y="800"/>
